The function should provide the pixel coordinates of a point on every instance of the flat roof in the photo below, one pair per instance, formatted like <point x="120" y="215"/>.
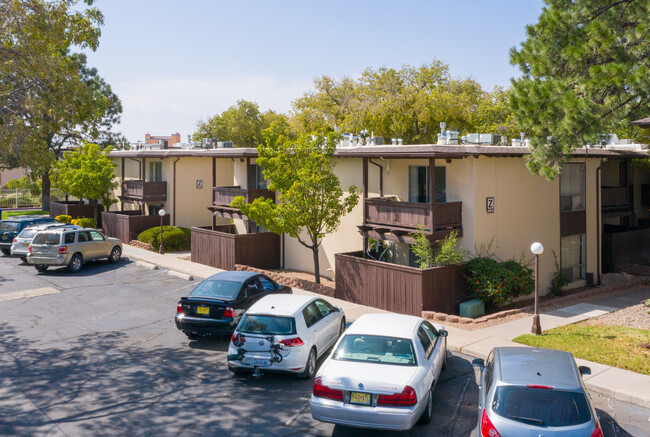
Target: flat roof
<point x="388" y="151"/>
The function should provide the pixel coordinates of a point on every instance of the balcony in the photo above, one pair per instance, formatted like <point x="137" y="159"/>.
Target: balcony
<point x="222" y="197"/>
<point x="141" y="191"/>
<point x="400" y="219"/>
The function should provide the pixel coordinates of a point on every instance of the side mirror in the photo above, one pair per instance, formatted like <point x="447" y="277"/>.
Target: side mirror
<point x="478" y="362"/>
<point x="584" y="370"/>
<point x="443" y="333"/>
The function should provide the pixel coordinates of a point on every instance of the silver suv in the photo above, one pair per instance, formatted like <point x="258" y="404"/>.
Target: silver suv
<point x="532" y="391"/>
<point x="71" y="248"/>
<point x="20" y="245"/>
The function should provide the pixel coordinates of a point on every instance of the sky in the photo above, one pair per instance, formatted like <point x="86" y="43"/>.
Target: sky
<point x="174" y="63"/>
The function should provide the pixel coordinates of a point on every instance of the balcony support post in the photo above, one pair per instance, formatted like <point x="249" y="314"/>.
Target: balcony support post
<point x="214" y="182"/>
<point x="364" y="197"/>
<point x="144" y="184"/>
<point x="122" y="185"/>
<point x="432" y="193"/>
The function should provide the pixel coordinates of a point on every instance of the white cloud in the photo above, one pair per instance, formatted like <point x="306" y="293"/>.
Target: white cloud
<point x="166" y="106"/>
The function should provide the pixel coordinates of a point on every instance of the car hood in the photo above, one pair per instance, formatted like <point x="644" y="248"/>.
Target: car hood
<point x="377" y="378"/>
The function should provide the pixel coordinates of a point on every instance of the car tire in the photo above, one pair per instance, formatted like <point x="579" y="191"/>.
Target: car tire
<point x="192" y="337"/>
<point x="76" y="262"/>
<point x="427" y="415"/>
<point x="310" y="366"/>
<point x="6" y="251"/>
<point x="23" y="258"/>
<point x="115" y="255"/>
<point x="342" y="328"/>
<point x="41" y="267"/>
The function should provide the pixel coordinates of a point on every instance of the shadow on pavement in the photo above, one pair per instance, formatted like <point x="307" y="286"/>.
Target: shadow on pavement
<point x="89" y="268"/>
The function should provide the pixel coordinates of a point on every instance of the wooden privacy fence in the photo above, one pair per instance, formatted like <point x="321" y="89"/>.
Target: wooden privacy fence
<point x="223" y="248"/>
<point x="627" y="247"/>
<point x="76" y="210"/>
<point x="402" y="289"/>
<point x="122" y="224"/>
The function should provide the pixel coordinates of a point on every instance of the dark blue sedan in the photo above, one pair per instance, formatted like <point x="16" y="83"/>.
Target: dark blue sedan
<point x="215" y="306"/>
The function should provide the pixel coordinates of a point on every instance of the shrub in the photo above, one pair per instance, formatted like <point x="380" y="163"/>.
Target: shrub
<point x="174" y="238"/>
<point x="63" y="219"/>
<point x="84" y="222"/>
<point x="422" y="250"/>
<point x="559" y="280"/>
<point x="443" y="254"/>
<point x="497" y="283"/>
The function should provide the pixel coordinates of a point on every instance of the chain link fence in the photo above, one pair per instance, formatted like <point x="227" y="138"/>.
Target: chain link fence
<point x="24" y="198"/>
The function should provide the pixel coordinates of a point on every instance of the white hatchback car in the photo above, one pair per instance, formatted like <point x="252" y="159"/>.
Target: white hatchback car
<point x="381" y="373"/>
<point x="286" y="333"/>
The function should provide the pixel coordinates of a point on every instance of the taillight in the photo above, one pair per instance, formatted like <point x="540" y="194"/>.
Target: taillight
<point x="15" y="240"/>
<point x="29" y="249"/>
<point x="179" y="308"/>
<point x="229" y="312"/>
<point x="63" y="249"/>
<point x="407" y="398"/>
<point x="238" y="339"/>
<point x="598" y="432"/>
<point x="292" y="342"/>
<point x="542" y="387"/>
<point x="322" y="391"/>
<point x="487" y="429"/>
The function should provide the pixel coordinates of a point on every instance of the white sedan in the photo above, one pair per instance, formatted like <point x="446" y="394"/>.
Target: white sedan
<point x="381" y="373"/>
<point x="285" y="333"/>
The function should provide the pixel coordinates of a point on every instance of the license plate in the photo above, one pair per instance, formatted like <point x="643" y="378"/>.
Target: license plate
<point x="202" y="310"/>
<point x="25" y="244"/>
<point x="256" y="362"/>
<point x="360" y="398"/>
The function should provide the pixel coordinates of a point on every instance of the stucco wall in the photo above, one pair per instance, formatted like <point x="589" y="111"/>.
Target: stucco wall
<point x="11" y="174"/>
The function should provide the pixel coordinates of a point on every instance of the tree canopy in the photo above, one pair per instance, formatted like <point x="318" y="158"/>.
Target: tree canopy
<point x="310" y="200"/>
<point x="586" y="74"/>
<point x="242" y="124"/>
<point x="408" y="103"/>
<point x="87" y="172"/>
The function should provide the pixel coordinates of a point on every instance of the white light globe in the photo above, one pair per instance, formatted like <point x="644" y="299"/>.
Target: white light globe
<point x="537" y="248"/>
<point x="161" y="212"/>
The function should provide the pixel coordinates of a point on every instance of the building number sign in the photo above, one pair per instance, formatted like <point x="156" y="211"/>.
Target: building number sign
<point x="489" y="204"/>
<point x="199" y="184"/>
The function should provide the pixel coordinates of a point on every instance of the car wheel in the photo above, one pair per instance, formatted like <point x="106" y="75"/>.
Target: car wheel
<point x="41" y="267"/>
<point x="75" y="263"/>
<point x="115" y="255"/>
<point x="23" y="258"/>
<point x="6" y="251"/>
<point x="426" y="416"/>
<point x="193" y="337"/>
<point x="310" y="366"/>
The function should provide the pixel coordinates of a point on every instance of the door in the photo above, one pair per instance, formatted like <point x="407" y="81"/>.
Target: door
<point x="254" y="291"/>
<point x="438" y="354"/>
<point x="313" y="319"/>
<point x="84" y="245"/>
<point x="330" y="321"/>
<point x="99" y="246"/>
<point x="427" y="345"/>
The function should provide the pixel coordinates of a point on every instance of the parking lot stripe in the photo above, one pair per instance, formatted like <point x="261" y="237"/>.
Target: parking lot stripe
<point x="25" y="294"/>
<point x="293" y="418"/>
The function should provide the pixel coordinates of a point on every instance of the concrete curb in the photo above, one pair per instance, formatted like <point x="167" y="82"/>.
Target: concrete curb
<point x="181" y="275"/>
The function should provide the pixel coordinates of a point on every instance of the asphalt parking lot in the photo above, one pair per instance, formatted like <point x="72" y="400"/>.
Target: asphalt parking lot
<point x="97" y="353"/>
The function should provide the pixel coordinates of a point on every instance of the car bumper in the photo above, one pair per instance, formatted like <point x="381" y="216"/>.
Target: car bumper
<point x="199" y="326"/>
<point x="58" y="260"/>
<point x="19" y="250"/>
<point x="5" y="244"/>
<point x="395" y="418"/>
<point x="295" y="362"/>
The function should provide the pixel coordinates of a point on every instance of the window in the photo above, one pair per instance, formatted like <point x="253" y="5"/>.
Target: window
<point x="253" y="287"/>
<point x="267" y="284"/>
<point x="426" y="342"/>
<point x="419" y="184"/>
<point x="256" y="178"/>
<point x="155" y="171"/>
<point x="311" y="314"/>
<point x="431" y="330"/>
<point x="265" y="325"/>
<point x="489" y="372"/>
<point x="49" y="238"/>
<point x="96" y="236"/>
<point x="324" y="308"/>
<point x="375" y="349"/>
<point x="572" y="187"/>
<point x="83" y="236"/>
<point x="572" y="257"/>
<point x="217" y="289"/>
<point x="69" y="238"/>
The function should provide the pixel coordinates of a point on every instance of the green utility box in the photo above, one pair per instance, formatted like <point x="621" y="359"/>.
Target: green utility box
<point x="472" y="308"/>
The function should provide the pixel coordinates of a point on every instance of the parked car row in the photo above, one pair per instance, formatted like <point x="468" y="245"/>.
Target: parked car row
<point x="381" y="371"/>
<point x="44" y="242"/>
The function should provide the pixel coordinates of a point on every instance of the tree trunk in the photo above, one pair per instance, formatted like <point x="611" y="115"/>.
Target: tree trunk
<point x="314" y="251"/>
<point x="45" y="191"/>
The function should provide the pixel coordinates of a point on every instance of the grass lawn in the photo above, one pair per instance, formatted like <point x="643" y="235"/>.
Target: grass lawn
<point x="7" y="214"/>
<point x="615" y="346"/>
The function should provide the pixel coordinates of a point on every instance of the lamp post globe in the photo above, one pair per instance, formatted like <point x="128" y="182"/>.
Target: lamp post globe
<point x="161" y="213"/>
<point x="537" y="249"/>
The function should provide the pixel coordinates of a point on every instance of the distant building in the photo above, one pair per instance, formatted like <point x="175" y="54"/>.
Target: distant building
<point x="171" y="140"/>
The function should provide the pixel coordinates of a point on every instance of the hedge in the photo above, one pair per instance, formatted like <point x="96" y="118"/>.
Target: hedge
<point x="174" y="238"/>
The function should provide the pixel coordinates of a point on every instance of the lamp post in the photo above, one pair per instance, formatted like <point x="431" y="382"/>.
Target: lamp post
<point x="161" y="213"/>
<point x="537" y="250"/>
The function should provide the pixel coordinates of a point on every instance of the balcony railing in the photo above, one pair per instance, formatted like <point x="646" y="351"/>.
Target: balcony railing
<point x="408" y="215"/>
<point x="145" y="191"/>
<point x="224" y="195"/>
<point x="615" y="197"/>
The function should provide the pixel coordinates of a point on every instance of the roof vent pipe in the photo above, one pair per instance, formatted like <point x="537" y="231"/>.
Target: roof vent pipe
<point x="394" y="141"/>
<point x="400" y="142"/>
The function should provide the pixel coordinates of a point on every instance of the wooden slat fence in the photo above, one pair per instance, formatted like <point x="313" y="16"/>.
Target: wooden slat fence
<point x="402" y="289"/>
<point x="76" y="210"/>
<point x="122" y="224"/>
<point x="629" y="247"/>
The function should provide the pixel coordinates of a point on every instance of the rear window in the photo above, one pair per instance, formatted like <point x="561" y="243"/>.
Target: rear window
<point x="217" y="289"/>
<point x="27" y="233"/>
<point x="257" y="324"/>
<point x="541" y="407"/>
<point x="9" y="226"/>
<point x="46" y="238"/>
<point x="376" y="349"/>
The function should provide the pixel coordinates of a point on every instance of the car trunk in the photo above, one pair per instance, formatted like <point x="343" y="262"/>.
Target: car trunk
<point x="202" y="307"/>
<point x="376" y="378"/>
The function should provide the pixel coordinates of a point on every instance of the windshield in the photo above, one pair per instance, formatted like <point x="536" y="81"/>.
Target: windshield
<point x="46" y="238"/>
<point x="27" y="233"/>
<point x="9" y="226"/>
<point x="217" y="289"/>
<point x="375" y="349"/>
<point x="255" y="324"/>
<point x="542" y="407"/>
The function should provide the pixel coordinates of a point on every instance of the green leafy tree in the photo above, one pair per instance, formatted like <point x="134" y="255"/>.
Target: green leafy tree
<point x="25" y="183"/>
<point x="310" y="198"/>
<point x="586" y="73"/>
<point x="87" y="173"/>
<point x="242" y="124"/>
<point x="52" y="98"/>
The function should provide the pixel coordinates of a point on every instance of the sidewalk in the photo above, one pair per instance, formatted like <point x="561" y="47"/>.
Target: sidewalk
<point x="610" y="381"/>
